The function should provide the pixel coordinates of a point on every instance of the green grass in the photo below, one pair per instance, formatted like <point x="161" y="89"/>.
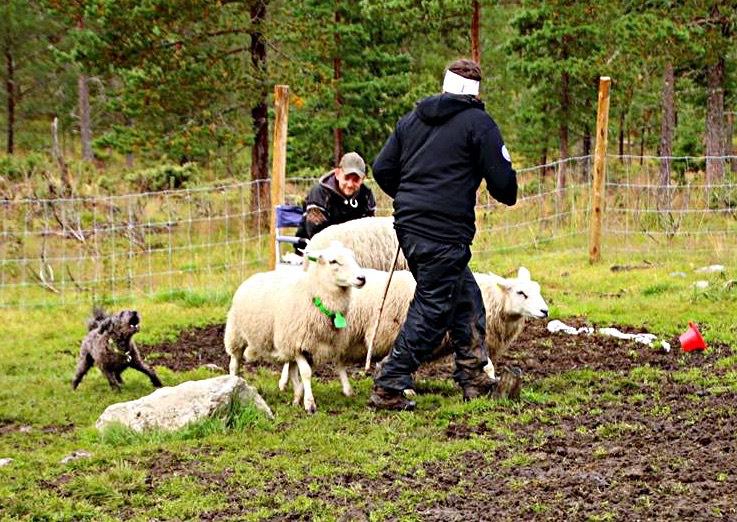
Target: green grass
<point x="234" y="463"/>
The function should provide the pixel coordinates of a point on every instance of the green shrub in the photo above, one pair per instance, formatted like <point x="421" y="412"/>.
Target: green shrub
<point x="15" y="168"/>
<point x="164" y="177"/>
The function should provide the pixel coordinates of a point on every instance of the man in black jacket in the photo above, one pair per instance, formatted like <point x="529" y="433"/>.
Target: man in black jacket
<point x="339" y="196"/>
<point x="432" y="165"/>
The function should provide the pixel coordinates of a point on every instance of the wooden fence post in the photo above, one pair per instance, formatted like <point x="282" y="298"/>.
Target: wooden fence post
<point x="278" y="163"/>
<point x="597" y="201"/>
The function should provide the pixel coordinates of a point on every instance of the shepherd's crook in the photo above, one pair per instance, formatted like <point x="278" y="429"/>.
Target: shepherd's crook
<point x="381" y="309"/>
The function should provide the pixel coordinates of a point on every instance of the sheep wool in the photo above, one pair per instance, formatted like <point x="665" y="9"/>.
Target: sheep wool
<point x="372" y="240"/>
<point x="506" y="312"/>
<point x="273" y="315"/>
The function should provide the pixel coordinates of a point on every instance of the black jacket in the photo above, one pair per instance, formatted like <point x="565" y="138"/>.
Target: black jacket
<point x="433" y="163"/>
<point x="325" y="206"/>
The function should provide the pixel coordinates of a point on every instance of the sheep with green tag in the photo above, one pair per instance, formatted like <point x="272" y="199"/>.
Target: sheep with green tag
<point x="294" y="316"/>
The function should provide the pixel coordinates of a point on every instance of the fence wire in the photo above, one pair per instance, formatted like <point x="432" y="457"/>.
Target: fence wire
<point x="72" y="250"/>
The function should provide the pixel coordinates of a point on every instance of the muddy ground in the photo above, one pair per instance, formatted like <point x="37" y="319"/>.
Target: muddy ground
<point x="665" y="450"/>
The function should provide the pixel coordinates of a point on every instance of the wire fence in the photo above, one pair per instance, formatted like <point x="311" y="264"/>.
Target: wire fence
<point x="72" y="250"/>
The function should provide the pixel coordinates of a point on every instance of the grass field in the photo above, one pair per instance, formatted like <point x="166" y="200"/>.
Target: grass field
<point x="347" y="462"/>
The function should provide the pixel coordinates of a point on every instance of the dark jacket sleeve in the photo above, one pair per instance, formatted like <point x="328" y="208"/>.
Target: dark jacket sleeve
<point x="501" y="179"/>
<point x="316" y="215"/>
<point x="386" y="166"/>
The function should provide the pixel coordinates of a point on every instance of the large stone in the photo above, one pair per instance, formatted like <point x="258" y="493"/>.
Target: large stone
<point x="173" y="407"/>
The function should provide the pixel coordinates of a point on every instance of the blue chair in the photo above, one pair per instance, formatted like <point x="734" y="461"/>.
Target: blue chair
<point x="287" y="216"/>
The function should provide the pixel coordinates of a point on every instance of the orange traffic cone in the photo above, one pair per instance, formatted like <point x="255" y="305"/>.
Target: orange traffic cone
<point x="691" y="339"/>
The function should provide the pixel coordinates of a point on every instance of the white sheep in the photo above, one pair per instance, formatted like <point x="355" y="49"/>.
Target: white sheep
<point x="274" y="316"/>
<point x="372" y="240"/>
<point x="508" y="302"/>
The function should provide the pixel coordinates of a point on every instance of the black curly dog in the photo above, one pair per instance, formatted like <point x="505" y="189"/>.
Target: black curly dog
<point x="109" y="344"/>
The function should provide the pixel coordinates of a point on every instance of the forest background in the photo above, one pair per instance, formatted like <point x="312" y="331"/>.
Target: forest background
<point x="141" y="83"/>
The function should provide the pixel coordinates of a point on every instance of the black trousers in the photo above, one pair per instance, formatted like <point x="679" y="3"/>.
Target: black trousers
<point x="447" y="299"/>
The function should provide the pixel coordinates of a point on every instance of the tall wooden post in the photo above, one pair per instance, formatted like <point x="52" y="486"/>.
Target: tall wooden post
<point x="597" y="201"/>
<point x="278" y="163"/>
<point x="475" y="43"/>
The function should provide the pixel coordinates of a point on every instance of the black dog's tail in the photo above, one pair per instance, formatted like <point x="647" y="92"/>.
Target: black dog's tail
<point x="98" y="316"/>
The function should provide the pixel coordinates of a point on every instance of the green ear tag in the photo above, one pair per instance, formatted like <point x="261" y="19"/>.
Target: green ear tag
<point x="339" y="320"/>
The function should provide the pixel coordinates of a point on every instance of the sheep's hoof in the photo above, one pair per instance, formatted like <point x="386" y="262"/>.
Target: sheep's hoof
<point x="348" y="392"/>
<point x="409" y="393"/>
<point x="311" y="408"/>
<point x="282" y="386"/>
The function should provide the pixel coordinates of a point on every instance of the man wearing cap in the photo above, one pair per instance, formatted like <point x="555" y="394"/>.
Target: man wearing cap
<point x="432" y="165"/>
<point x="339" y="196"/>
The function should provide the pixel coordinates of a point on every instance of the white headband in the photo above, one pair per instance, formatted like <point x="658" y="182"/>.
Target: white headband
<point x="457" y="84"/>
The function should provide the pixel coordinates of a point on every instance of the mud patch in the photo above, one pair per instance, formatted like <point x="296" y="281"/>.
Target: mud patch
<point x="664" y="456"/>
<point x="194" y="347"/>
<point x="541" y="354"/>
<point x="538" y="352"/>
<point x="8" y="427"/>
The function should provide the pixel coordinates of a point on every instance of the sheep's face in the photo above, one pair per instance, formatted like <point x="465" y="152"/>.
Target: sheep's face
<point x="339" y="263"/>
<point x="523" y="296"/>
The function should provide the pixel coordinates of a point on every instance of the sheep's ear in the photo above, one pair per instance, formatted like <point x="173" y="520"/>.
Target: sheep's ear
<point x="523" y="274"/>
<point x="504" y="285"/>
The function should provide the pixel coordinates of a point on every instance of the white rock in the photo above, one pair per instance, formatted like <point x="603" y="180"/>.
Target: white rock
<point x="213" y="368"/>
<point x="701" y="285"/>
<point x="173" y="407"/>
<point x="677" y="274"/>
<point x="76" y="455"/>
<point x="665" y="345"/>
<point x="5" y="462"/>
<point x="711" y="269"/>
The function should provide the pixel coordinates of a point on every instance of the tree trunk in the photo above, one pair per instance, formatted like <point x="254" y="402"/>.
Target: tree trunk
<point x="85" y="131"/>
<point x="729" y="139"/>
<point x="129" y="160"/>
<point x="563" y="133"/>
<point x="587" y="153"/>
<point x="621" y="136"/>
<point x="85" y="128"/>
<point x="715" y="123"/>
<point x="337" y="76"/>
<point x="260" y="191"/>
<point x="56" y="152"/>
<point x="667" y="126"/>
<point x="10" y="93"/>
<point x="475" y="43"/>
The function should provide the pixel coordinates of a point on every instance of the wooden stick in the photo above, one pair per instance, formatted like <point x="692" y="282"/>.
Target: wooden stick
<point x="597" y="201"/>
<point x="381" y="309"/>
<point x="279" y="163"/>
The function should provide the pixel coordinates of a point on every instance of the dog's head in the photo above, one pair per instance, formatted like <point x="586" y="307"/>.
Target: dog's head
<point x="122" y="324"/>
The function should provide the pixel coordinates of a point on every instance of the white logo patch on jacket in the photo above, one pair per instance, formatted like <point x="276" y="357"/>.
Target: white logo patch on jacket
<point x="505" y="153"/>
